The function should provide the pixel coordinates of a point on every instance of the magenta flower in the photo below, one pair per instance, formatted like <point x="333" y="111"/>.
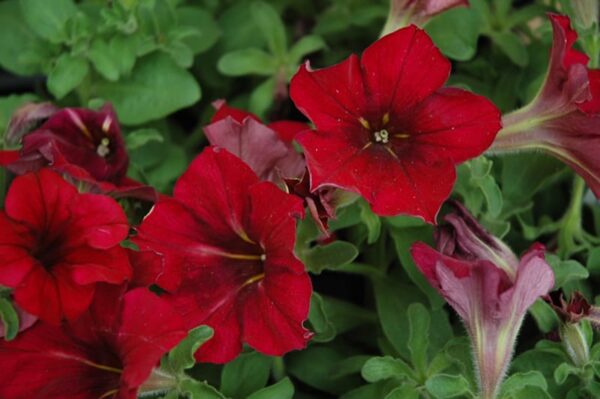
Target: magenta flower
<point x="487" y="286"/>
<point x="405" y="12"/>
<point x="564" y="118"/>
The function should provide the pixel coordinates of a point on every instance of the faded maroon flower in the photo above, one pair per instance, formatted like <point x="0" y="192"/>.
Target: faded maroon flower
<point x="84" y="144"/>
<point x="564" y="118"/>
<point x="405" y="12"/>
<point x="56" y="245"/>
<point x="573" y="311"/>
<point x="109" y="353"/>
<point x="387" y="130"/>
<point x="487" y="286"/>
<point x="268" y="150"/>
<point x="321" y="204"/>
<point x="227" y="245"/>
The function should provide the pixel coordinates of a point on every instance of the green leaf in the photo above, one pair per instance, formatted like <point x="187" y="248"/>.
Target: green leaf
<point x="181" y="54"/>
<point x="103" y="60"/>
<point x="418" y="336"/>
<point x="519" y="381"/>
<point x="403" y="239"/>
<point x="21" y="51"/>
<point x="123" y="50"/>
<point x="248" y="373"/>
<point x="456" y="32"/>
<point x="9" y="318"/>
<point x="544" y="316"/>
<point x="382" y="368"/>
<point x="139" y="138"/>
<point x="593" y="261"/>
<point x="203" y="21"/>
<point x="323" y="328"/>
<point x="47" y="18"/>
<point x="404" y="392"/>
<point x="156" y="88"/>
<point x="511" y="45"/>
<point x="261" y="98"/>
<point x="199" y="390"/>
<point x="284" y="389"/>
<point x="182" y="356"/>
<point x="306" y="45"/>
<point x="329" y="257"/>
<point x="566" y="271"/>
<point x="271" y="26"/>
<point x="371" y="221"/>
<point x="563" y="372"/>
<point x="448" y="386"/>
<point x="66" y="75"/>
<point x="247" y="62"/>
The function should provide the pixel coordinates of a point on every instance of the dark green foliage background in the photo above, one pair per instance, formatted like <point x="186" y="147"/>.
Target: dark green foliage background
<point x="381" y="330"/>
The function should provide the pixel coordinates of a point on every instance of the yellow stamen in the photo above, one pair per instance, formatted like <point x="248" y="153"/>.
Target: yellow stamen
<point x="402" y="136"/>
<point x="391" y="151"/>
<point x="79" y="123"/>
<point x="106" y="124"/>
<point x="245" y="237"/>
<point x="386" y="118"/>
<point x="102" y="367"/>
<point x="253" y="279"/>
<point x="107" y="394"/>
<point x="243" y="256"/>
<point x="364" y="123"/>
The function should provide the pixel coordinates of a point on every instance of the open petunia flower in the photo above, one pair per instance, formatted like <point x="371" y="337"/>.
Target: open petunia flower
<point x="405" y="12"/>
<point x="564" y="118"/>
<point x="387" y="129"/>
<point x="57" y="244"/>
<point x="108" y="353"/>
<point x="84" y="144"/>
<point x="227" y="242"/>
<point x="487" y="286"/>
<point x="268" y="150"/>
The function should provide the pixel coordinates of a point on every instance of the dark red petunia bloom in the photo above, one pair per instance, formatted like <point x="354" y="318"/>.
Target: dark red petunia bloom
<point x="57" y="244"/>
<point x="87" y="145"/>
<point x="227" y="241"/>
<point x="564" y="118"/>
<point x="386" y="128"/>
<point x="108" y="353"/>
<point x="268" y="150"/>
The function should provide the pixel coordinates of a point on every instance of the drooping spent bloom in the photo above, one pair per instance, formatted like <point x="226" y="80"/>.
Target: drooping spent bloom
<point x="84" y="144"/>
<point x="227" y="241"/>
<point x="387" y="129"/>
<point x="405" y="12"/>
<point x="268" y="150"/>
<point x="564" y="118"/>
<point x="109" y="353"/>
<point x="56" y="245"/>
<point x="487" y="286"/>
<point x="571" y="313"/>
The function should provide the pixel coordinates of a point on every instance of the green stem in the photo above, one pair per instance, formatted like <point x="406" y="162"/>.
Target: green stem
<point x="278" y="369"/>
<point x="572" y="230"/>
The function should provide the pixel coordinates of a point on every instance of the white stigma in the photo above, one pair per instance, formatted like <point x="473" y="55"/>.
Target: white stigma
<point x="103" y="149"/>
<point x="382" y="136"/>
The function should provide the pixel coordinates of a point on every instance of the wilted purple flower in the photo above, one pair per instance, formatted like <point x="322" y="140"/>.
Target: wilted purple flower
<point x="405" y="12"/>
<point x="564" y="118"/>
<point x="487" y="286"/>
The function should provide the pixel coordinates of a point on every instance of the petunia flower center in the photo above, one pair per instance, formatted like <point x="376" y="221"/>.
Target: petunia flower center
<point x="381" y="132"/>
<point x="48" y="250"/>
<point x="381" y="136"/>
<point x="103" y="149"/>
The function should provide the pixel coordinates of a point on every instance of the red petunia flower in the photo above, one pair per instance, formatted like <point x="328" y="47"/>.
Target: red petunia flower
<point x="386" y="128"/>
<point x="227" y="242"/>
<point x="108" y="353"/>
<point x="487" y="285"/>
<point x="57" y="244"/>
<point x="564" y="118"/>
<point x="84" y="144"/>
<point x="268" y="150"/>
